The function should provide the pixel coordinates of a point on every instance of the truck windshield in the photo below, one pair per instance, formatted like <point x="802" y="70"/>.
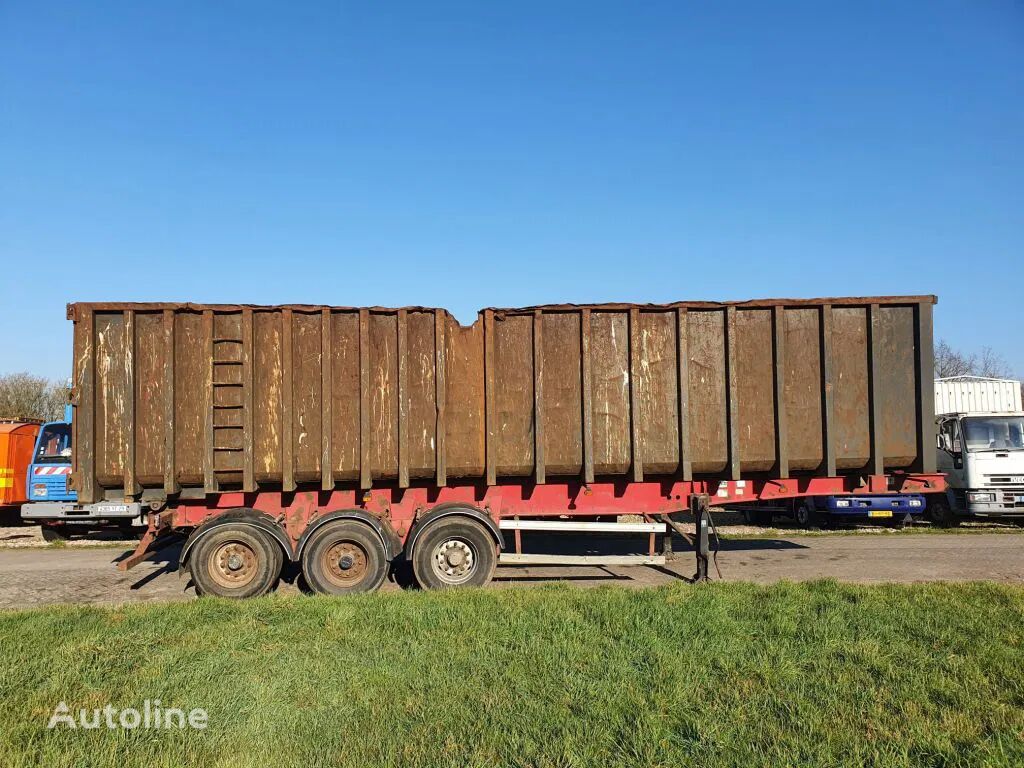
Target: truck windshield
<point x="994" y="433"/>
<point x="54" y="444"/>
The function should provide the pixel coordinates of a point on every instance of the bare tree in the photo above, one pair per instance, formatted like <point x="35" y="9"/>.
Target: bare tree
<point x="953" y="362"/>
<point x="993" y="365"/>
<point x="23" y="395"/>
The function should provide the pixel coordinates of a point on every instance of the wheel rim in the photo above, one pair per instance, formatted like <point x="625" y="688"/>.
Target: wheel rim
<point x="454" y="561"/>
<point x="802" y="515"/>
<point x="233" y="564"/>
<point x="345" y="564"/>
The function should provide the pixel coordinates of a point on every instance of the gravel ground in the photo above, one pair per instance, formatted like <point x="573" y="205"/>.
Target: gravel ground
<point x="33" y="572"/>
<point x="34" y="576"/>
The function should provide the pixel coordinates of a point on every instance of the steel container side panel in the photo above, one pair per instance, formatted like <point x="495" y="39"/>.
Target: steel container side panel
<point x="562" y="394"/>
<point x="924" y="372"/>
<point x="267" y="400"/>
<point x="9" y="493"/>
<point x="345" y="395"/>
<point x="609" y="374"/>
<point x="383" y="377"/>
<point x="464" y="396"/>
<point x="82" y="425"/>
<point x="422" y="394"/>
<point x="383" y="411"/>
<point x="658" y="394"/>
<point x="22" y="455"/>
<point x="191" y="361"/>
<point x="709" y="438"/>
<point x="755" y="382"/>
<point x="16" y="445"/>
<point x="7" y="451"/>
<point x="228" y="438"/>
<point x="111" y="398"/>
<point x="150" y="361"/>
<point x="803" y="388"/>
<point x="306" y="391"/>
<point x="12" y="482"/>
<point x="851" y="375"/>
<point x="898" y="386"/>
<point x="513" y="395"/>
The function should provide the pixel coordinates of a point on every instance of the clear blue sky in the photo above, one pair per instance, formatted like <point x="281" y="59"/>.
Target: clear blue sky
<point x="477" y="154"/>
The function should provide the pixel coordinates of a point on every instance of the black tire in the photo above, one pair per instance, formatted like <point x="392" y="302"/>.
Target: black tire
<point x="805" y="515"/>
<point x="940" y="512"/>
<point x="52" y="533"/>
<point x="454" y="552"/>
<point x="129" y="531"/>
<point x="344" y="557"/>
<point x="757" y="517"/>
<point x="235" y="561"/>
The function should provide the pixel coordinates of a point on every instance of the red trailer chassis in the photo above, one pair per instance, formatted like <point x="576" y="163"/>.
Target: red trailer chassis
<point x="398" y="514"/>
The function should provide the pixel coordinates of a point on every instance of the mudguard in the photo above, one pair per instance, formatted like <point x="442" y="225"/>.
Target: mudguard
<point x="256" y="519"/>
<point x="452" y="510"/>
<point x="392" y="544"/>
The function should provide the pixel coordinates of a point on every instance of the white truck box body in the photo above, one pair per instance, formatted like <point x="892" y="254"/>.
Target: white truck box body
<point x="973" y="394"/>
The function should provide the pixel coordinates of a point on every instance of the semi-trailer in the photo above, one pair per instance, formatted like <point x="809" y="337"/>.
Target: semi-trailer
<point x="346" y="439"/>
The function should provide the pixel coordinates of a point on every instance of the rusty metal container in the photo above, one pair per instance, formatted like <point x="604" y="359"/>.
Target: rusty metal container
<point x="17" y="440"/>
<point x="183" y="398"/>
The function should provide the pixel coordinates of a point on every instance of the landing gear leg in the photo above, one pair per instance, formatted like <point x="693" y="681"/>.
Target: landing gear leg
<point x="699" y="508"/>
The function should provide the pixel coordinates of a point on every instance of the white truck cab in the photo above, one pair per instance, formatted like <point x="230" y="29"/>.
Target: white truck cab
<point x="980" y="440"/>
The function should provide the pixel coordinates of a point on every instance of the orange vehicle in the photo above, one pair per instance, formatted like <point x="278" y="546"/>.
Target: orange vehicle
<point x="17" y="439"/>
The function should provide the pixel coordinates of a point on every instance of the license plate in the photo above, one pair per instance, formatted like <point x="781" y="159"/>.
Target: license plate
<point x="111" y="508"/>
<point x="880" y="513"/>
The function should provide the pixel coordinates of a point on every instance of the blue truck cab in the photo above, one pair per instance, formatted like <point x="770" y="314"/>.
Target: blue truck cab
<point x="50" y="469"/>
<point x="51" y="503"/>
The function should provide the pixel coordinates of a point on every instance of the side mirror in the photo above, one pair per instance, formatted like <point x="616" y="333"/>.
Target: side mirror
<point x="940" y="441"/>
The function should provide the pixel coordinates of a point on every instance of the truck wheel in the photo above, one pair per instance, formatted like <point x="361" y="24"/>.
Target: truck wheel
<point x="806" y="515"/>
<point x="454" y="552"/>
<point x="344" y="557"/>
<point x="235" y="561"/>
<point x="757" y="517"/>
<point x="53" y="533"/>
<point x="940" y="512"/>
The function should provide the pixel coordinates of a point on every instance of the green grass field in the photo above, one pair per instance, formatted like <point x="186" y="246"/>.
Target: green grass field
<point x="716" y="675"/>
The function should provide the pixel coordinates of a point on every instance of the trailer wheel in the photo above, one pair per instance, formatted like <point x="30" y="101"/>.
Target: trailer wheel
<point x="344" y="557"/>
<point x="235" y="561"/>
<point x="454" y="552"/>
